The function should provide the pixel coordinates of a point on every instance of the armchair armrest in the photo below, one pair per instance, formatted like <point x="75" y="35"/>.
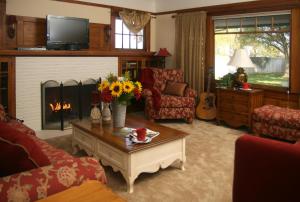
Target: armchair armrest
<point x="146" y="93"/>
<point x="190" y="92"/>
<point x="44" y="181"/>
<point x="266" y="170"/>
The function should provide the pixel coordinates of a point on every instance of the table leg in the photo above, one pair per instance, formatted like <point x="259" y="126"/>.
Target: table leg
<point x="130" y="181"/>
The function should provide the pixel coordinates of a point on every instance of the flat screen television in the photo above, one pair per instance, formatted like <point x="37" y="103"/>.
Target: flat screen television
<point x="67" y="33"/>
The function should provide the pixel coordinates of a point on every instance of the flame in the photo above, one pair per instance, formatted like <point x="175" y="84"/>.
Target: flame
<point x="57" y="106"/>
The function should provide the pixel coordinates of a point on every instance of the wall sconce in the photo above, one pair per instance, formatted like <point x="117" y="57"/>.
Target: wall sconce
<point x="107" y="33"/>
<point x="11" y="22"/>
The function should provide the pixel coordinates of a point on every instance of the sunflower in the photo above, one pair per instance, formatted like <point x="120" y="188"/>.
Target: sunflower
<point x="103" y="85"/>
<point x="128" y="86"/>
<point x="139" y="86"/>
<point x="116" y="89"/>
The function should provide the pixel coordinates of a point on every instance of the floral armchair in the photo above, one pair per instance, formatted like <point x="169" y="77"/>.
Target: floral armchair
<point x="159" y="105"/>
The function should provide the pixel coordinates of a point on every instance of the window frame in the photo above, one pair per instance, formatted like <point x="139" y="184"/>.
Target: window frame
<point x="262" y="86"/>
<point x="146" y="38"/>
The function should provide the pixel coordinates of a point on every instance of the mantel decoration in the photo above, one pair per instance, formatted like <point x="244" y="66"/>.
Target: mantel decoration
<point x="135" y="20"/>
<point x="119" y="91"/>
<point x="95" y="115"/>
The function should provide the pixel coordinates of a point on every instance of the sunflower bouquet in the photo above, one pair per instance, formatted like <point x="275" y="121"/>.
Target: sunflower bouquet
<point x="120" y="89"/>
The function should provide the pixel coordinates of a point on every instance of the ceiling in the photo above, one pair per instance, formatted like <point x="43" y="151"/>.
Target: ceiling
<point x="163" y="5"/>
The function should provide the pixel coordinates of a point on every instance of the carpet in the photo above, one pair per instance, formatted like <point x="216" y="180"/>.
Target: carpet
<point x="208" y="171"/>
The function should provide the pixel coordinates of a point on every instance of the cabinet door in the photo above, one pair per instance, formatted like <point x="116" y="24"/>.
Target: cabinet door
<point x="7" y="85"/>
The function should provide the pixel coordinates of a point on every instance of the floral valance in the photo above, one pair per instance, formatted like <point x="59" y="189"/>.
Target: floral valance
<point x="135" y="20"/>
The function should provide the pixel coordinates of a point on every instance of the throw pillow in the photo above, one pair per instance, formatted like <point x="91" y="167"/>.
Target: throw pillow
<point x="19" y="152"/>
<point x="174" y="88"/>
<point x="3" y="115"/>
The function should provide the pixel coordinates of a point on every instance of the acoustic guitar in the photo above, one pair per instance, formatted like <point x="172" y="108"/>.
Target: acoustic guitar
<point x="206" y="108"/>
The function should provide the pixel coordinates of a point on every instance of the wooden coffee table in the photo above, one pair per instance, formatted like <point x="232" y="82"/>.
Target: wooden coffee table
<point x="123" y="155"/>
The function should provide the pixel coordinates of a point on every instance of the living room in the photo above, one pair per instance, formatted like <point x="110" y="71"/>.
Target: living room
<point x="149" y="100"/>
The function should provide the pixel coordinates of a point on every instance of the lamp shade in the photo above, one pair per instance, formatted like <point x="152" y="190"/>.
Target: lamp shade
<point x="163" y="52"/>
<point x="241" y="58"/>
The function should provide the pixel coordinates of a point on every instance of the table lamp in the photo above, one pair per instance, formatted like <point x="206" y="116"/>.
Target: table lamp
<point x="162" y="53"/>
<point x="241" y="60"/>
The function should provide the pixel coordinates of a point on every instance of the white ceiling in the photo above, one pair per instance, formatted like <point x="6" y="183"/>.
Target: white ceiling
<point x="163" y="5"/>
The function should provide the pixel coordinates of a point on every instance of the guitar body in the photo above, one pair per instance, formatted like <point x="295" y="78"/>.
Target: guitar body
<point x="206" y="108"/>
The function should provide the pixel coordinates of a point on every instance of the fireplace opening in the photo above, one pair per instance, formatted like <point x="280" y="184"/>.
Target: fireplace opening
<point x="66" y="102"/>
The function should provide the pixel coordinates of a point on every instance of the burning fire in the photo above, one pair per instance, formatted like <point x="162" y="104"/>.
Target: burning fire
<point x="57" y="106"/>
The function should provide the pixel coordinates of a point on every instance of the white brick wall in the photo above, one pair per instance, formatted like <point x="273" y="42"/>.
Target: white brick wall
<point x="31" y="71"/>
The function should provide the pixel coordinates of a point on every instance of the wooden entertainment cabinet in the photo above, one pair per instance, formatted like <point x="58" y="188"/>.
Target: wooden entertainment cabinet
<point x="7" y="85"/>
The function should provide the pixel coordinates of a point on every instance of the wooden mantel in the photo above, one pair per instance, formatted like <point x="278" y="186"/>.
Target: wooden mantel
<point x="88" y="53"/>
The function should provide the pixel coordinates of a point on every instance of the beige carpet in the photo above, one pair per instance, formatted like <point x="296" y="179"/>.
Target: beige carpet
<point x="209" y="168"/>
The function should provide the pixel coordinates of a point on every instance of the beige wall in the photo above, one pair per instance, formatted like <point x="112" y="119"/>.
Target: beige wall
<point x="165" y="36"/>
<point x="41" y="8"/>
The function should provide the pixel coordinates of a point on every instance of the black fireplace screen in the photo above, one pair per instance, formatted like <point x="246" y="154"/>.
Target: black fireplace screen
<point x="65" y="102"/>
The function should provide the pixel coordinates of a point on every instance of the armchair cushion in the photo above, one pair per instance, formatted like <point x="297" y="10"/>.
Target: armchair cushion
<point x="190" y="93"/>
<point x="175" y="88"/>
<point x="170" y="101"/>
<point x="18" y="151"/>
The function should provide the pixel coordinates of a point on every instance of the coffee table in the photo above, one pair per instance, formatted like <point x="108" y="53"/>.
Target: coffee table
<point x="129" y="158"/>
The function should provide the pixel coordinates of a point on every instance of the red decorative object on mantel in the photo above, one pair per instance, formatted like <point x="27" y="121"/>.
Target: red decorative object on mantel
<point x="162" y="54"/>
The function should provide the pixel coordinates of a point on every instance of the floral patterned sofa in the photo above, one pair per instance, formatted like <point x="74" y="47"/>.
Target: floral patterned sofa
<point x="63" y="172"/>
<point x="277" y="122"/>
<point x="154" y="81"/>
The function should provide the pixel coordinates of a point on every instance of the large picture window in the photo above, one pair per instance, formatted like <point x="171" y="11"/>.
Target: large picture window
<point x="267" y="41"/>
<point x="124" y="39"/>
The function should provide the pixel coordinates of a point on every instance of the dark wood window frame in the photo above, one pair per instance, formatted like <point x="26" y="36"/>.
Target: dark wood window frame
<point x="146" y="45"/>
<point x="261" y="86"/>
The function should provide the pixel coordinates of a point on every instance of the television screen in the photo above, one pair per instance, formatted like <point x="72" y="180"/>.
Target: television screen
<point x="67" y="32"/>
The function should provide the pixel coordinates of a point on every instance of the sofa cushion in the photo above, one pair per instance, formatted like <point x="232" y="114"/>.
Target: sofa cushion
<point x="274" y="115"/>
<point x="175" y="88"/>
<point x="18" y="151"/>
<point x="170" y="101"/>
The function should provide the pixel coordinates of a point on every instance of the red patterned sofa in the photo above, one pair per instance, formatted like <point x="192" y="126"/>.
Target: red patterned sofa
<point x="266" y="170"/>
<point x="277" y="122"/>
<point x="159" y="105"/>
<point x="63" y="172"/>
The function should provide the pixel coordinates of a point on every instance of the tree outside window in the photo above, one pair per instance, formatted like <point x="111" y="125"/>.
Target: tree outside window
<point x="267" y="40"/>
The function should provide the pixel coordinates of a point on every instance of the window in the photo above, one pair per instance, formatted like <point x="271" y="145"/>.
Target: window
<point x="267" y="41"/>
<point x="124" y="39"/>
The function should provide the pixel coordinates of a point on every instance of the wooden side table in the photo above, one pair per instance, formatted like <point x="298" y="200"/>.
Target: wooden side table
<point x="235" y="107"/>
<point x="91" y="191"/>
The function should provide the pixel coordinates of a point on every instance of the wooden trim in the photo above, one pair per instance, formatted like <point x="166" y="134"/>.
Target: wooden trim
<point x="244" y="7"/>
<point x="295" y="51"/>
<point x="91" y="53"/>
<point x="12" y="86"/>
<point x="210" y="51"/>
<point x="147" y="36"/>
<point x="97" y="5"/>
<point x="2" y="23"/>
<point x="271" y="88"/>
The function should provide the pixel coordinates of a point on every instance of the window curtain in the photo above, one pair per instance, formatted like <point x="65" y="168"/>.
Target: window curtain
<point x="190" y="37"/>
<point x="135" y="20"/>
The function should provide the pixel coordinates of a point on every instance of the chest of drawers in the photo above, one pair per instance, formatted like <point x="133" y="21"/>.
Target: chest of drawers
<point x="235" y="107"/>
